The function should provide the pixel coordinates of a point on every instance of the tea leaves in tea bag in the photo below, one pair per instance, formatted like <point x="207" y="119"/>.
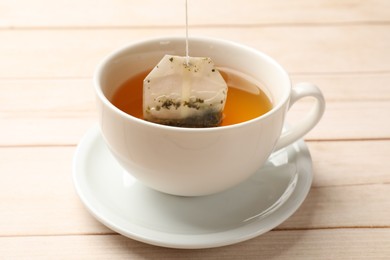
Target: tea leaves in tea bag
<point x="185" y="92"/>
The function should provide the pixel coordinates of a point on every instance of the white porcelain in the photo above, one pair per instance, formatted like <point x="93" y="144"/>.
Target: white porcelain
<point x="188" y="161"/>
<point x="250" y="209"/>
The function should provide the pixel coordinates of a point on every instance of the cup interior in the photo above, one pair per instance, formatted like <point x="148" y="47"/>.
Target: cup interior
<point x="142" y="56"/>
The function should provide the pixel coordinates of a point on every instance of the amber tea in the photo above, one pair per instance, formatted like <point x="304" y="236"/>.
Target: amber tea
<point x="245" y="99"/>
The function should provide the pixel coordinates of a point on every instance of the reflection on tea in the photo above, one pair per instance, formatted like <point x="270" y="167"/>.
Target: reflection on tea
<point x="245" y="99"/>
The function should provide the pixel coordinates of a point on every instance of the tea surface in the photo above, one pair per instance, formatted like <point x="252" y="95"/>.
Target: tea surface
<point x="245" y="100"/>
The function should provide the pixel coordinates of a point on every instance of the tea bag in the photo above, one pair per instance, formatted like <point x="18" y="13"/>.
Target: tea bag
<point x="185" y="92"/>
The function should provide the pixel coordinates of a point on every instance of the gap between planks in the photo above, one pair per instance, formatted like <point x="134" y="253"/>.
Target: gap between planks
<point x="306" y="140"/>
<point x="276" y="229"/>
<point x="156" y="26"/>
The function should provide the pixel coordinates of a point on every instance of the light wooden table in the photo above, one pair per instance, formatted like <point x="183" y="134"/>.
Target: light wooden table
<point x="48" y="52"/>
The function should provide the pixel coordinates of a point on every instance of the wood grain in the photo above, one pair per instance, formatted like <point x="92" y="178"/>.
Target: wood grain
<point x="59" y="112"/>
<point x="50" y="49"/>
<point x="306" y="244"/>
<point x="319" y="49"/>
<point x="350" y="87"/>
<point x="45" y="127"/>
<point x="42" y="195"/>
<point x="119" y="13"/>
<point x="37" y="195"/>
<point x="343" y="206"/>
<point x="350" y="163"/>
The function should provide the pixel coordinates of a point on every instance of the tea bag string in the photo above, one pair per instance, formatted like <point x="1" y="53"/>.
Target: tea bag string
<point x="187" y="51"/>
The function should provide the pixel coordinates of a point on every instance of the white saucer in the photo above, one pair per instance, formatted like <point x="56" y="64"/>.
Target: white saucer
<point x="252" y="208"/>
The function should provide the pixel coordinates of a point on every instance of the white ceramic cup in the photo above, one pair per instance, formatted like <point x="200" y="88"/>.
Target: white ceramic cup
<point x="199" y="161"/>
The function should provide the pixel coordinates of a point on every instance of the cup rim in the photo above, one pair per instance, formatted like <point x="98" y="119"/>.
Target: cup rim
<point x="118" y="52"/>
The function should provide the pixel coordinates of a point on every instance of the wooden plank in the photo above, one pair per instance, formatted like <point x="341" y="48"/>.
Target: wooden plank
<point x="310" y="49"/>
<point x="65" y="129"/>
<point x="47" y="96"/>
<point x="60" y="111"/>
<point x="78" y="94"/>
<point x="306" y="244"/>
<point x="48" y="53"/>
<point x="343" y="206"/>
<point x="53" y="112"/>
<point x="37" y="193"/>
<point x="36" y="112"/>
<point x="350" y="87"/>
<point x="73" y="13"/>
<point x="350" y="163"/>
<point x="342" y="121"/>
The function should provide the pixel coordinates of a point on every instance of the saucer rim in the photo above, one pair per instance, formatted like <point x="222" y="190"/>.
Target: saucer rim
<point x="186" y="241"/>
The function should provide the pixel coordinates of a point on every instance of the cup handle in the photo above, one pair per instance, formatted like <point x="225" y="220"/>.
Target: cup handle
<point x="301" y="128"/>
